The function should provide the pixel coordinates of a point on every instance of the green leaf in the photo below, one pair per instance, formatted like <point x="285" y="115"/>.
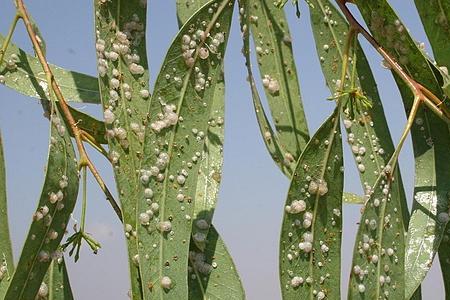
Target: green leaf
<point x="270" y="32"/>
<point x="444" y="260"/>
<point x="173" y="146"/>
<point x="378" y="256"/>
<point x="29" y="79"/>
<point x="435" y="16"/>
<point x="213" y="274"/>
<point x="123" y="79"/>
<point x="6" y="259"/>
<point x="90" y="125"/>
<point x="430" y="138"/>
<point x="211" y="160"/>
<point x="271" y="140"/>
<point x="49" y="223"/>
<point x="56" y="281"/>
<point x="310" y="243"/>
<point x="352" y="198"/>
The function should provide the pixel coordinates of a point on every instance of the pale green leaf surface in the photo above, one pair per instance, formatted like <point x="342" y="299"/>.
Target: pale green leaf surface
<point x="317" y="182"/>
<point x="211" y="160"/>
<point x="126" y="101"/>
<point x="6" y="258"/>
<point x="352" y="198"/>
<point x="270" y="137"/>
<point x="430" y="138"/>
<point x="216" y="276"/>
<point x="273" y="45"/>
<point x="50" y="219"/>
<point x="164" y="248"/>
<point x="29" y="79"/>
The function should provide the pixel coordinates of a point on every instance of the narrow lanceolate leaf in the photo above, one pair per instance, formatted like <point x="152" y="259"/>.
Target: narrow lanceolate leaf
<point x="378" y="255"/>
<point x="52" y="214"/>
<point x="435" y="16"/>
<point x="25" y="75"/>
<point x="271" y="140"/>
<point x="123" y="79"/>
<point x="272" y="39"/>
<point x="213" y="274"/>
<point x="6" y="258"/>
<point x="211" y="160"/>
<point x="367" y="130"/>
<point x="180" y="108"/>
<point x="431" y="141"/>
<point x="310" y="243"/>
<point x="56" y="282"/>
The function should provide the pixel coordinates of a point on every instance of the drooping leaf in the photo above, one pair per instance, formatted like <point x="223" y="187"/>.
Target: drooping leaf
<point x="271" y="140"/>
<point x="28" y="78"/>
<point x="310" y="243"/>
<point x="90" y="125"/>
<point x="272" y="39"/>
<point x="378" y="255"/>
<point x="213" y="274"/>
<point x="56" y="281"/>
<point x="430" y="138"/>
<point x="123" y="79"/>
<point x="174" y="141"/>
<point x="211" y="160"/>
<point x="50" y="219"/>
<point x="6" y="258"/>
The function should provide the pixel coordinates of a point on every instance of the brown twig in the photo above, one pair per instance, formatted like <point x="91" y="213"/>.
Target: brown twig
<point x="77" y="133"/>
<point x="422" y="93"/>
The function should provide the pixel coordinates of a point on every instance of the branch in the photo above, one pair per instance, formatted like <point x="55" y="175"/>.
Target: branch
<point x="77" y="133"/>
<point x="420" y="92"/>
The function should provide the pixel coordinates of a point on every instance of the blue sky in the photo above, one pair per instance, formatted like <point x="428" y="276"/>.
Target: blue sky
<point x="253" y="190"/>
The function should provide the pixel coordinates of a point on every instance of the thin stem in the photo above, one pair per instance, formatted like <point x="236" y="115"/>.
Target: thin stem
<point x="91" y="141"/>
<point x="345" y="57"/>
<point x="8" y="37"/>
<point x="409" y="124"/>
<point x="84" y="158"/>
<point x="84" y="200"/>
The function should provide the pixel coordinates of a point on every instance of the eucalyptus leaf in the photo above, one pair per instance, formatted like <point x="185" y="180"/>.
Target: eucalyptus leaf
<point x="430" y="138"/>
<point x="173" y="146"/>
<point x="310" y="243"/>
<point x="29" y="79"/>
<point x="270" y="136"/>
<point x="435" y="16"/>
<point x="123" y="79"/>
<point x="50" y="219"/>
<point x="211" y="160"/>
<point x="6" y="259"/>
<point x="273" y="45"/>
